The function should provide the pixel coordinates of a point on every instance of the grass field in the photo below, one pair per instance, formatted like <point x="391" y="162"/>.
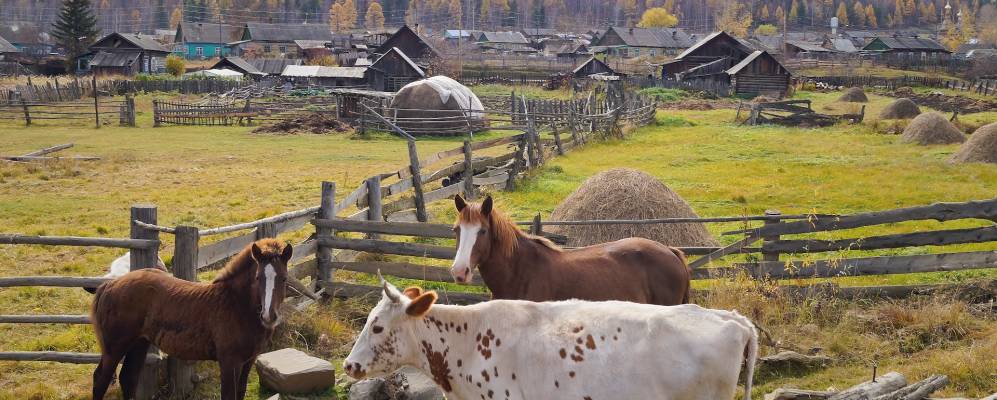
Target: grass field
<point x="211" y="176"/>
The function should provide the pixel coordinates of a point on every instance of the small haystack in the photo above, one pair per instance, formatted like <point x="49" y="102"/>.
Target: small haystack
<point x="854" y="95"/>
<point x="437" y="106"/>
<point x="981" y="146"/>
<point x="629" y="194"/>
<point x="931" y="128"/>
<point x="900" y="109"/>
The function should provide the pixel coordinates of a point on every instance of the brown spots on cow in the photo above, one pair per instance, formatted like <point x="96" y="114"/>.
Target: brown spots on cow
<point x="498" y="342"/>
<point x="602" y="338"/>
<point x="490" y="393"/>
<point x="614" y="337"/>
<point x="571" y="374"/>
<point x="579" y="340"/>
<point x="507" y="393"/>
<point x="495" y="372"/>
<point x="579" y="351"/>
<point x="465" y="326"/>
<point x="587" y="398"/>
<point x="513" y="376"/>
<point x="563" y="353"/>
<point x="590" y="342"/>
<point x="458" y="328"/>
<point x="557" y="384"/>
<point x="577" y="355"/>
<point x="479" y="384"/>
<point x="459" y="363"/>
<point x="618" y="329"/>
<point x="485" y="375"/>
<point x="439" y="368"/>
<point x="577" y="329"/>
<point x="484" y="343"/>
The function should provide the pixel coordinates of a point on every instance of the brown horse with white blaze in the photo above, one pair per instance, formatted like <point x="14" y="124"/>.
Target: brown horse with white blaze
<point x="517" y="265"/>
<point x="229" y="320"/>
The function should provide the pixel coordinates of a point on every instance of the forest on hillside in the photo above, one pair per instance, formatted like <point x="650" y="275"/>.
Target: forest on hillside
<point x="978" y="17"/>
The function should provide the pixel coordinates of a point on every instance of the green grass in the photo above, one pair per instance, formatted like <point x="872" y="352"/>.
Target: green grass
<point x="212" y="176"/>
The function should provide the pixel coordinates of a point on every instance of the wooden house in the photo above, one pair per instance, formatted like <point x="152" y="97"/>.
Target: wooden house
<point x="352" y="77"/>
<point x="504" y="42"/>
<point x="592" y="66"/>
<point x="392" y="71"/>
<point x="637" y="42"/>
<point x="278" y="40"/>
<point x="759" y="74"/>
<point x="716" y="46"/>
<point x="6" y="48"/>
<point x="200" y="40"/>
<point x="909" y="50"/>
<point x="29" y="39"/>
<point x="808" y="50"/>
<point x="127" y="54"/>
<point x="256" y="67"/>
<point x="410" y="43"/>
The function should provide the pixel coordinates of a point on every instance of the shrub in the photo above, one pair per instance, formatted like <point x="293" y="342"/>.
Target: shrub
<point x="175" y="65"/>
<point x="663" y="94"/>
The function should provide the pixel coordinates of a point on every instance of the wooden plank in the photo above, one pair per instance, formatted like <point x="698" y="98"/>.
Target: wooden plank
<point x="293" y="224"/>
<point x="52" y="281"/>
<point x="79" y="241"/>
<point x="44" y="319"/>
<point x="982" y="209"/>
<point x="730" y="249"/>
<point x="354" y="198"/>
<point x="932" y="238"/>
<point x="349" y="290"/>
<point x="59" y="356"/>
<point x="443" y="193"/>
<point x="305" y="212"/>
<point x="420" y="201"/>
<point x="491" y="180"/>
<point x="873" y="265"/>
<point x="405" y="270"/>
<point x="386" y="247"/>
<point x="389" y="228"/>
<point x="49" y="150"/>
<point x="495" y="142"/>
<point x="302" y="251"/>
<point x="43" y="158"/>
<point x="215" y="252"/>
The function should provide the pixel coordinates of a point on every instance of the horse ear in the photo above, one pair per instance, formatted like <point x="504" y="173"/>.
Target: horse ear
<point x="257" y="253"/>
<point x="286" y="254"/>
<point x="459" y="202"/>
<point x="486" y="206"/>
<point x="412" y="292"/>
<point x="420" y="305"/>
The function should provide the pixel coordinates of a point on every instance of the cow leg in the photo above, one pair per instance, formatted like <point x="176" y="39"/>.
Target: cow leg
<point x="132" y="368"/>
<point x="104" y="374"/>
<point x="244" y="378"/>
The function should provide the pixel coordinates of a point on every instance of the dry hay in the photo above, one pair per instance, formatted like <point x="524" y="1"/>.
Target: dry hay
<point x="932" y="128"/>
<point x="854" y="95"/>
<point x="628" y="194"/>
<point x="317" y="123"/>
<point x="904" y="91"/>
<point x="981" y="146"/>
<point x="900" y="109"/>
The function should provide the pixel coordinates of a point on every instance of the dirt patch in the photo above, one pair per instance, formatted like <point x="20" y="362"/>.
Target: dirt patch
<point x="932" y="128"/>
<point x="946" y="103"/>
<point x="307" y="123"/>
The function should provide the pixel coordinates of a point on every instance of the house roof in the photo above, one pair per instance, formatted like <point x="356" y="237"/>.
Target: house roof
<point x="672" y="38"/>
<point x="310" y="44"/>
<point x="105" y="59"/>
<point x="403" y="57"/>
<point x="203" y="32"/>
<point x="843" y="45"/>
<point x="503" y="37"/>
<point x="745" y="62"/>
<point x="318" y="71"/>
<point x="589" y="61"/>
<point x="239" y="63"/>
<point x="398" y="40"/>
<point x="273" y="66"/>
<point x="570" y="48"/>
<point x="807" y="46"/>
<point x="709" y="38"/>
<point x="539" y="31"/>
<point x="910" y="44"/>
<point x="6" y="47"/>
<point x="264" y="32"/>
<point x="143" y="42"/>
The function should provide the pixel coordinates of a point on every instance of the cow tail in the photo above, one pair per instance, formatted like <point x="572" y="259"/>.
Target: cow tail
<point x="750" y="356"/>
<point x="686" y="298"/>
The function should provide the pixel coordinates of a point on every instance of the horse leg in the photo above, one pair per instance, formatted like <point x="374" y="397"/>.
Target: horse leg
<point x="132" y="368"/>
<point x="104" y="374"/>
<point x="230" y="372"/>
<point x="244" y="378"/>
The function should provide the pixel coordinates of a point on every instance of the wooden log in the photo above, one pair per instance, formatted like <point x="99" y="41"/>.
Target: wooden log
<point x="374" y="210"/>
<point x="873" y="265"/>
<point x="386" y="247"/>
<point x="58" y="356"/>
<point x="389" y="228"/>
<point x="982" y="209"/>
<point x="144" y="258"/>
<point x="48" y="150"/>
<point x="44" y="319"/>
<point x="404" y="270"/>
<point x="730" y="249"/>
<point x="42" y="158"/>
<point x="180" y="373"/>
<point x="348" y="290"/>
<point x="870" y="389"/>
<point x="135" y="244"/>
<point x="918" y="390"/>
<point x="52" y="281"/>
<point x="468" y="170"/>
<point x="323" y="253"/>
<point x="415" y="169"/>
<point x="771" y="256"/>
<point x="933" y="238"/>
<point x="797" y="394"/>
<point x="222" y="249"/>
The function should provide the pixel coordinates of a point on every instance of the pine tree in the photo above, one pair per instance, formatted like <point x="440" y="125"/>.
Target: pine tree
<point x="859" y="14"/>
<point x="75" y="29"/>
<point x="794" y="11"/>
<point x="763" y="13"/>
<point x="374" y="18"/>
<point x="870" y="16"/>
<point x="842" y="14"/>
<point x="780" y="15"/>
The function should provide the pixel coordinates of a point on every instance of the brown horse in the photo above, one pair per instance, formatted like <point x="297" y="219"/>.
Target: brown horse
<point x="228" y="320"/>
<point x="516" y="265"/>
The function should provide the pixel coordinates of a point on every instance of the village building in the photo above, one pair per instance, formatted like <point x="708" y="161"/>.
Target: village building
<point x="410" y="43"/>
<point x="712" y="48"/>
<point x="278" y="40"/>
<point x="909" y="50"/>
<point x="638" y="42"/>
<point x="325" y="76"/>
<point x="721" y="60"/>
<point x="6" y="48"/>
<point x="125" y="54"/>
<point x="200" y="40"/>
<point x="808" y="50"/>
<point x="392" y="71"/>
<point x="508" y="41"/>
<point x="593" y="66"/>
<point x="29" y="39"/>
<point x="256" y="67"/>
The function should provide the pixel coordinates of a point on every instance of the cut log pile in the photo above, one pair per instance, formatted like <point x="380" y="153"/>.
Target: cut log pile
<point x="42" y="155"/>
<point x="796" y="113"/>
<point x="891" y="386"/>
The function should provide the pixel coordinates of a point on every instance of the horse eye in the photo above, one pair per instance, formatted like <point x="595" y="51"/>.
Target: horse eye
<point x="377" y="329"/>
<point x="481" y="232"/>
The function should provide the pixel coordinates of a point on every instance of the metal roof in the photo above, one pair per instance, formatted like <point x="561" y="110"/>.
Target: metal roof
<point x="105" y="59"/>
<point x="671" y="38"/>
<point x="6" y="47"/>
<point x="310" y="44"/>
<point x="317" y="71"/>
<point x="203" y="32"/>
<point x="843" y="45"/>
<point x="503" y="37"/>
<point x="263" y="32"/>
<point x="910" y="44"/>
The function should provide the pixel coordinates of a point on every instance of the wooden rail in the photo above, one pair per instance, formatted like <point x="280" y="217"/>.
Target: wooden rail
<point x="78" y="241"/>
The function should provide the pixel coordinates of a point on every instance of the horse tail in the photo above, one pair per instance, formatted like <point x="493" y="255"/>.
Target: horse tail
<point x="681" y="255"/>
<point x="95" y="312"/>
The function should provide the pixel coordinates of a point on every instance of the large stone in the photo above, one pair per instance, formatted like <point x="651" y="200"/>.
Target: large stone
<point x="293" y="371"/>
<point x="409" y="383"/>
<point x="368" y="389"/>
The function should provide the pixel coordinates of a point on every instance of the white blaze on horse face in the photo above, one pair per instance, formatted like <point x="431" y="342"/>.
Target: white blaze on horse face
<point x="462" y="267"/>
<point x="270" y="275"/>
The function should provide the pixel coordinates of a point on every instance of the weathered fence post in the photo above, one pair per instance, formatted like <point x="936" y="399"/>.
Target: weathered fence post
<point x="180" y="372"/>
<point x="518" y="161"/>
<point x="58" y="90"/>
<point x="155" y="113"/>
<point x="770" y="256"/>
<point x="145" y="258"/>
<point x="420" y="202"/>
<point x="557" y="139"/>
<point x="468" y="171"/>
<point x="536" y="228"/>
<point x="327" y="210"/>
<point x="27" y="115"/>
<point x="130" y="104"/>
<point x="96" y="103"/>
<point x="374" y="211"/>
<point x="266" y="230"/>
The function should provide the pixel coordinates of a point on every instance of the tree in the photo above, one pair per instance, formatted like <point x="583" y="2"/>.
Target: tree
<point x="175" y="65"/>
<point x="657" y="17"/>
<point x="735" y="19"/>
<point x="456" y="10"/>
<point x="794" y="11"/>
<point x="870" y="16"/>
<point x="780" y="15"/>
<point x="349" y="14"/>
<point x="374" y="19"/>
<point x="858" y="14"/>
<point x="335" y="17"/>
<point x="766" y="30"/>
<point x="175" y="18"/>
<point x="136" y="20"/>
<point x="898" y="13"/>
<point x="763" y="13"/>
<point x="842" y="14"/>
<point x="75" y="29"/>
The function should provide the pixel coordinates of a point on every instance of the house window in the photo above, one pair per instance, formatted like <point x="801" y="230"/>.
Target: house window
<point x="218" y="51"/>
<point x="283" y="49"/>
<point x="653" y="52"/>
<point x="267" y="48"/>
<point x="199" y="51"/>
<point x="636" y="52"/>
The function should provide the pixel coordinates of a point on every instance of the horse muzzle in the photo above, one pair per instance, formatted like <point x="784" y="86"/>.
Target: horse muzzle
<point x="461" y="275"/>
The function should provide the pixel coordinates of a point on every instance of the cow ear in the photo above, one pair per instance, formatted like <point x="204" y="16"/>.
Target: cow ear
<point x="412" y="292"/>
<point x="257" y="253"/>
<point x="486" y="206"/>
<point x="287" y="253"/>
<point x="459" y="203"/>
<point x="420" y="305"/>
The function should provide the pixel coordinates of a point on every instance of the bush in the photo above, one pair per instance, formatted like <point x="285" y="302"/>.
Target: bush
<point x="175" y="65"/>
<point x="663" y="94"/>
<point x="766" y="29"/>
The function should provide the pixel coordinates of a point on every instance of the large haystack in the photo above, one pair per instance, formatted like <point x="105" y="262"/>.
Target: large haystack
<point x="854" y="95"/>
<point x="931" y="128"/>
<point x="981" y="146"/>
<point x="900" y="109"/>
<point x="624" y="193"/>
<point x="436" y="106"/>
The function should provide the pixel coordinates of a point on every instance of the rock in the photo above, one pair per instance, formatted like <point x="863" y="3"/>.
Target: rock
<point x="368" y="389"/>
<point x="797" y="394"/>
<point x="293" y="371"/>
<point x="274" y="397"/>
<point x="411" y="384"/>
<point x="793" y="360"/>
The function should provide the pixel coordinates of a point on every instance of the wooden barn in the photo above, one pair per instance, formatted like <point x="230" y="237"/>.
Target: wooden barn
<point x="716" y="46"/>
<point x="759" y="74"/>
<point x="392" y="71"/>
<point x="256" y="67"/>
<point x="592" y="66"/>
<point x="723" y="63"/>
<point x="317" y="75"/>
<point x="909" y="50"/>
<point x="410" y="43"/>
<point x="127" y="54"/>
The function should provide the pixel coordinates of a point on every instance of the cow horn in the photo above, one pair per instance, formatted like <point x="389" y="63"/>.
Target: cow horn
<point x="301" y="288"/>
<point x="393" y="296"/>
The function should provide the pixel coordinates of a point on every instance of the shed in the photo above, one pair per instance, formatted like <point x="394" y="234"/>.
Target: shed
<point x="757" y="74"/>
<point x="797" y="48"/>
<point x="592" y="66"/>
<point x="392" y="71"/>
<point x="278" y="39"/>
<point x="325" y="76"/>
<point x="909" y="50"/>
<point x="256" y="67"/>
<point x="410" y="43"/>
<point x="128" y="54"/>
<point x="711" y="48"/>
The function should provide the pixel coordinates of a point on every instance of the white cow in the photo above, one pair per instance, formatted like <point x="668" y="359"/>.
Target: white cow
<point x="511" y="349"/>
<point x="122" y="265"/>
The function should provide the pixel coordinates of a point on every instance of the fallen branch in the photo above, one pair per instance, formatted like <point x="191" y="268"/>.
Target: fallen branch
<point x="43" y="158"/>
<point x="797" y="394"/>
<point x="884" y="384"/>
<point x="48" y="150"/>
<point x="918" y="390"/>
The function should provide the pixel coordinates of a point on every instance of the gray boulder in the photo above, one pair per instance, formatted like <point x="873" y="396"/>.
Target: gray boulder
<point x="405" y="384"/>
<point x="293" y="371"/>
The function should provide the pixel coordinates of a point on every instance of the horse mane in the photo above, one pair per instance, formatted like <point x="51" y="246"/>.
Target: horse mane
<point x="504" y="231"/>
<point x="244" y="262"/>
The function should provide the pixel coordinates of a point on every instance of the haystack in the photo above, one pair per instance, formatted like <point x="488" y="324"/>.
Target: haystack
<point x="981" y="146"/>
<point x="931" y="128"/>
<point x="436" y="106"/>
<point x="629" y="194"/>
<point x="900" y="109"/>
<point x="854" y="95"/>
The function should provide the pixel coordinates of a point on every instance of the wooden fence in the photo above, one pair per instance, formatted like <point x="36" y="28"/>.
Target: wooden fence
<point x="96" y="109"/>
<point x="983" y="87"/>
<point x="66" y="89"/>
